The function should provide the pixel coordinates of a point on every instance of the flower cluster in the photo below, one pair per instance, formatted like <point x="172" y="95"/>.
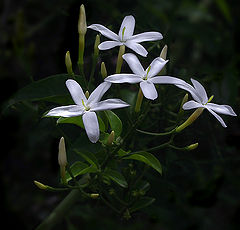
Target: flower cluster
<point x="86" y="107"/>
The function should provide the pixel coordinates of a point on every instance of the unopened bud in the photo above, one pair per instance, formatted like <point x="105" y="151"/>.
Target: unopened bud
<point x="82" y="24"/>
<point x="111" y="138"/>
<point x="192" y="147"/>
<point x="96" y="44"/>
<point x="87" y="94"/>
<point x="40" y="185"/>
<point x="62" y="156"/>
<point x="68" y="63"/>
<point x="94" y="195"/>
<point x="190" y="120"/>
<point x="103" y="70"/>
<point x="163" y="53"/>
<point x="184" y="100"/>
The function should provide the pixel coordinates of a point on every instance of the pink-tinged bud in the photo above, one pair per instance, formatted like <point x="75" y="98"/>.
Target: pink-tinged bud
<point x="163" y="53"/>
<point x="62" y="156"/>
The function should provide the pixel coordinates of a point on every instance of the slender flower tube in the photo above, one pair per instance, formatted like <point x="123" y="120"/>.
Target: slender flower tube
<point x="87" y="107"/>
<point x="147" y="78"/>
<point x="125" y="36"/>
<point x="201" y="100"/>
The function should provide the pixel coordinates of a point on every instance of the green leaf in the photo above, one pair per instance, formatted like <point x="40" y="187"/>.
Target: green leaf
<point x="142" y="203"/>
<point x="147" y="158"/>
<point x="51" y="89"/>
<point x="89" y="157"/>
<point x="116" y="177"/>
<point x="115" y="122"/>
<point x="79" y="122"/>
<point x="80" y="168"/>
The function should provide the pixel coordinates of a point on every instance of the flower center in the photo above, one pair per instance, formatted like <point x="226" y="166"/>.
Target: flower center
<point x="145" y="78"/>
<point x="123" y="31"/>
<point x="209" y="99"/>
<point x="86" y="107"/>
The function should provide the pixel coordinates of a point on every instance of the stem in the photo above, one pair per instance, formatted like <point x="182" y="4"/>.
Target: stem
<point x="139" y="101"/>
<point x="120" y="59"/>
<point x="157" y="134"/>
<point x="60" y="211"/>
<point x="80" y="56"/>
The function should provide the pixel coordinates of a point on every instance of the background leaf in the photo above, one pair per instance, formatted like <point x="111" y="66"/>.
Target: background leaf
<point x="116" y="177"/>
<point x="115" y="122"/>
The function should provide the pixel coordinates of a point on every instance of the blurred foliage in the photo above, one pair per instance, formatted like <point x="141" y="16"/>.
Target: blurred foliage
<point x="198" y="189"/>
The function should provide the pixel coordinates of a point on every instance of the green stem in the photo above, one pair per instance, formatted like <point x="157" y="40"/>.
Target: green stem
<point x="120" y="59"/>
<point x="60" y="211"/>
<point x="157" y="134"/>
<point x="139" y="101"/>
<point x="80" y="56"/>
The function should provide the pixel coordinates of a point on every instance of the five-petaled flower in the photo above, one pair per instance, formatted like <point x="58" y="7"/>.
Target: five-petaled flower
<point x="147" y="78"/>
<point x="87" y="107"/>
<point x="125" y="36"/>
<point x="201" y="100"/>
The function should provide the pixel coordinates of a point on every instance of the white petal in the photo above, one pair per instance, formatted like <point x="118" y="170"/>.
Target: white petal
<point x="109" y="104"/>
<point x="97" y="94"/>
<point x="192" y="105"/>
<point x="156" y="66"/>
<point x="200" y="90"/>
<point x="109" y="45"/>
<point x="177" y="82"/>
<point x="66" y="111"/>
<point x="149" y="90"/>
<point x="76" y="91"/>
<point x="218" y="117"/>
<point x="134" y="63"/>
<point x="223" y="109"/>
<point x="129" y="24"/>
<point x="147" y="36"/>
<point x="123" y="78"/>
<point x="104" y="31"/>
<point x="90" y="122"/>
<point x="139" y="49"/>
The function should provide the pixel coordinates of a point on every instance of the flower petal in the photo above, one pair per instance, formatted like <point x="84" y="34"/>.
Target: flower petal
<point x="108" y="45"/>
<point x="200" y="90"/>
<point x="223" y="109"/>
<point x="134" y="63"/>
<point x="149" y="90"/>
<point x="76" y="91"/>
<point x="97" y="94"/>
<point x="129" y="24"/>
<point x="147" y="36"/>
<point x="104" y="31"/>
<point x="109" y="104"/>
<point x="156" y="66"/>
<point x="191" y="105"/>
<point x="217" y="116"/>
<point x="139" y="49"/>
<point x="66" y="111"/>
<point x="177" y="82"/>
<point x="90" y="122"/>
<point x="124" y="78"/>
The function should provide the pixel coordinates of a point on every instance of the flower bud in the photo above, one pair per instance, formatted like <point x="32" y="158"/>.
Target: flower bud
<point x="68" y="63"/>
<point x="62" y="157"/>
<point x="103" y="70"/>
<point x="40" y="185"/>
<point x="184" y="100"/>
<point x="94" y="195"/>
<point x="82" y="24"/>
<point x="163" y="53"/>
<point x="87" y="94"/>
<point x="111" y="138"/>
<point x="192" y="147"/>
<point x="96" y="44"/>
<point x="190" y="120"/>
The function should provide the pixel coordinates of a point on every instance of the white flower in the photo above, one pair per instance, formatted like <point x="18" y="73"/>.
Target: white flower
<point x="147" y="78"/>
<point x="87" y="107"/>
<point x="125" y="36"/>
<point x="201" y="100"/>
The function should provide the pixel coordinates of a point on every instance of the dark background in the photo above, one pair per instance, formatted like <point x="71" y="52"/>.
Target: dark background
<point x="199" y="189"/>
